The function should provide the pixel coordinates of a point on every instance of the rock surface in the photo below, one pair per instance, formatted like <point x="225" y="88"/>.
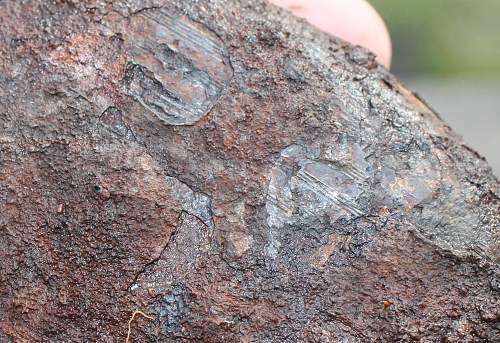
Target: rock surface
<point x="236" y="175"/>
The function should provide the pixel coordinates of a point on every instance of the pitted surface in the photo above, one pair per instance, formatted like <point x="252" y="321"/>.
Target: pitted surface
<point x="233" y="173"/>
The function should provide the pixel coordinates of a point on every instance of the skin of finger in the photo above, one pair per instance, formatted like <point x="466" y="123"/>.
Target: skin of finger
<point x="355" y="21"/>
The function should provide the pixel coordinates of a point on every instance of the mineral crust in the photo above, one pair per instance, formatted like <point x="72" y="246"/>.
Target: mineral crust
<point x="236" y="176"/>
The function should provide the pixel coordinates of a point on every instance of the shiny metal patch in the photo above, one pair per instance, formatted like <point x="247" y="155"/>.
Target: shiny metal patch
<point x="177" y="68"/>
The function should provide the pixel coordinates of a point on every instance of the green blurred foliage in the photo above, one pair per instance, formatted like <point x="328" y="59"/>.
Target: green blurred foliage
<point x="444" y="37"/>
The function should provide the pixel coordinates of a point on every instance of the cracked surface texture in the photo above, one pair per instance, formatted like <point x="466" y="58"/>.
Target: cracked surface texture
<point x="237" y="175"/>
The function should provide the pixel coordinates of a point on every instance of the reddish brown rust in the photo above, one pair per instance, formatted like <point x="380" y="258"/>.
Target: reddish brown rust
<point x="231" y="172"/>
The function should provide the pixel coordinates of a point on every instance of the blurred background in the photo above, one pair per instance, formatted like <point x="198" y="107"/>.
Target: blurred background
<point x="448" y="51"/>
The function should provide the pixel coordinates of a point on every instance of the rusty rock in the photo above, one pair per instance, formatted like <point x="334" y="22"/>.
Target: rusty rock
<point x="226" y="169"/>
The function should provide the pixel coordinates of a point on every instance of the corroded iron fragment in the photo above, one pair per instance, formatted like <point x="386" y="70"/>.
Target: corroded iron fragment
<point x="231" y="174"/>
<point x="177" y="68"/>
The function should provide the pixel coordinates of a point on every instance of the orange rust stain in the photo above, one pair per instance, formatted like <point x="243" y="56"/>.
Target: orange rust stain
<point x="76" y="49"/>
<point x="203" y="121"/>
<point x="117" y="69"/>
<point x="296" y="8"/>
<point x="385" y="211"/>
<point x="81" y="49"/>
<point x="230" y="140"/>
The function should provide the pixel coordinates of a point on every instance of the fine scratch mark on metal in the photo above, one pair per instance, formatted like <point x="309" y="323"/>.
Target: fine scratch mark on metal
<point x="321" y="188"/>
<point x="304" y="186"/>
<point x="177" y="69"/>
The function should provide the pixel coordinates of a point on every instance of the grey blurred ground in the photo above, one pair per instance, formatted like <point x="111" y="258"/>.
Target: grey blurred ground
<point x="471" y="107"/>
